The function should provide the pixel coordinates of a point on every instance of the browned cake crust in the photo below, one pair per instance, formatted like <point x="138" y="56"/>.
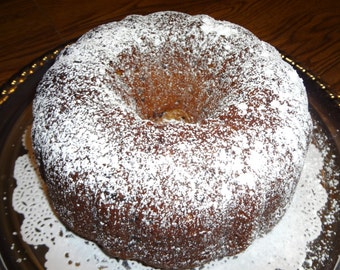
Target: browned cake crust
<point x="170" y="139"/>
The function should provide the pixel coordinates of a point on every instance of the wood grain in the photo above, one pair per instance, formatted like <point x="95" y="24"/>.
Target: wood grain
<point x="307" y="31"/>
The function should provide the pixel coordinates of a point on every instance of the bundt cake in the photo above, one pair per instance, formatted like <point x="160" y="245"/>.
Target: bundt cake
<point x="170" y="139"/>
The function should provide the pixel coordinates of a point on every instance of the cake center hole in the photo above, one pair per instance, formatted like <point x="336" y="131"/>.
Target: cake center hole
<point x="164" y="93"/>
<point x="178" y="115"/>
<point x="170" y="87"/>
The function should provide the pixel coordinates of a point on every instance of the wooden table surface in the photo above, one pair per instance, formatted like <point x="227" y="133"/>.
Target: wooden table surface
<point x="307" y="31"/>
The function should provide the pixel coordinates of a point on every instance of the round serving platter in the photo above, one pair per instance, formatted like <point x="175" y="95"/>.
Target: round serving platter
<point x="15" y="116"/>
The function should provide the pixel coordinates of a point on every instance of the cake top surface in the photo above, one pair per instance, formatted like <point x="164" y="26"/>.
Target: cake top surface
<point x="251" y="122"/>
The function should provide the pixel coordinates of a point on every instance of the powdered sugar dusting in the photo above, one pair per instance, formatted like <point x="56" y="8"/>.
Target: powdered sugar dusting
<point x="285" y="247"/>
<point x="220" y="28"/>
<point x="107" y="163"/>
